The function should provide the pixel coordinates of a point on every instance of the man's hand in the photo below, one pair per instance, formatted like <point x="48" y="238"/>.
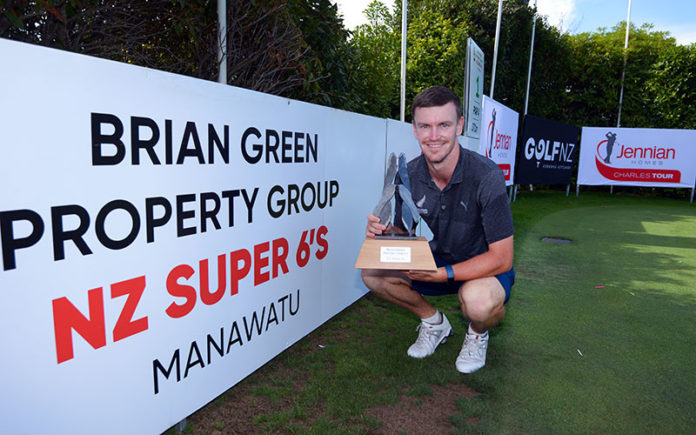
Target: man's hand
<point x="439" y="275"/>
<point x="374" y="228"/>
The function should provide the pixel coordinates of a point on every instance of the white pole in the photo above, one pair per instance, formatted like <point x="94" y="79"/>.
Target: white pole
<point x="531" y="55"/>
<point x="222" y="37"/>
<point x="529" y="73"/>
<point x="495" y="50"/>
<point x="404" y="13"/>
<point x="623" y="73"/>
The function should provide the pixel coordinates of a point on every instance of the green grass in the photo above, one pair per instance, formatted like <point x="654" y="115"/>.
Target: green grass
<point x="568" y="357"/>
<point x="618" y="358"/>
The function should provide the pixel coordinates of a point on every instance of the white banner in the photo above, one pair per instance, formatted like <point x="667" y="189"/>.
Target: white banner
<point x="499" y="141"/>
<point x="163" y="237"/>
<point x="637" y="157"/>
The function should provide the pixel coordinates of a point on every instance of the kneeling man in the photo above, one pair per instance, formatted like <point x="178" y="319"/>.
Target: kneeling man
<point x="461" y="195"/>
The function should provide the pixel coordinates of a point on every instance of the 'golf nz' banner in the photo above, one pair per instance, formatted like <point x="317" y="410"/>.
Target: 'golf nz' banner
<point x="549" y="151"/>
<point x="163" y="237"/>
<point x="637" y="157"/>
<point x="499" y="136"/>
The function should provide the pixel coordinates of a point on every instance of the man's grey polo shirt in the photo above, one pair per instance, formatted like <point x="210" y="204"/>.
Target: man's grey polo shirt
<point x="471" y="212"/>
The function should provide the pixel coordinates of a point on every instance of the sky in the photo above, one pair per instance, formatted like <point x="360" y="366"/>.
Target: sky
<point x="578" y="16"/>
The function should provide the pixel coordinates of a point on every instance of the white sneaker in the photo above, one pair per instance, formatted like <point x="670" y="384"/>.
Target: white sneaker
<point x="429" y="337"/>
<point x="473" y="354"/>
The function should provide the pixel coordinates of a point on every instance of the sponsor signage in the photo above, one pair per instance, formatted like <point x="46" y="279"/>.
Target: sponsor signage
<point x="162" y="237"/>
<point x="473" y="95"/>
<point x="637" y="157"/>
<point x="499" y="141"/>
<point x="548" y="153"/>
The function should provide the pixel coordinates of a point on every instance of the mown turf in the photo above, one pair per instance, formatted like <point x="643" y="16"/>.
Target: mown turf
<point x="601" y="332"/>
<point x="600" y="335"/>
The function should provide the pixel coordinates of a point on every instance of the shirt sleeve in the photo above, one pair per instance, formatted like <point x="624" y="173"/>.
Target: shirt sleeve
<point x="496" y="215"/>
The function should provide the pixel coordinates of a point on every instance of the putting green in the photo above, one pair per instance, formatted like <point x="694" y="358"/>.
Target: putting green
<point x="622" y="247"/>
<point x="600" y="333"/>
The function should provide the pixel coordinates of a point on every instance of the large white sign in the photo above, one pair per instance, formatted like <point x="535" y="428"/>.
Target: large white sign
<point x="499" y="141"/>
<point x="163" y="237"/>
<point x="637" y="157"/>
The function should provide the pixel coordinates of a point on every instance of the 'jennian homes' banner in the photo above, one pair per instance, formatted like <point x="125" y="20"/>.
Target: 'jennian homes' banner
<point x="637" y="157"/>
<point x="548" y="153"/>
<point x="499" y="136"/>
<point x="163" y="237"/>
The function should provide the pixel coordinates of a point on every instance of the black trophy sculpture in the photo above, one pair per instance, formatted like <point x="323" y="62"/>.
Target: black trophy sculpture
<point x="390" y="191"/>
<point x="391" y="250"/>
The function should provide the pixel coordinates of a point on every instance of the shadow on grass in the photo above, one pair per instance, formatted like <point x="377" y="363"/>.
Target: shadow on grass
<point x="600" y="334"/>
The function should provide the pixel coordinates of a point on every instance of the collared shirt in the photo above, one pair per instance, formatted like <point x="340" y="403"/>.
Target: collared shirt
<point x="470" y="213"/>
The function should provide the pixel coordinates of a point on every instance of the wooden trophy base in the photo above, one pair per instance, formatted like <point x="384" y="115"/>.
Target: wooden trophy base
<point x="397" y="253"/>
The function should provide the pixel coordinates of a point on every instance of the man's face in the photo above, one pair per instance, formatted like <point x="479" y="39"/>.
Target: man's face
<point x="436" y="129"/>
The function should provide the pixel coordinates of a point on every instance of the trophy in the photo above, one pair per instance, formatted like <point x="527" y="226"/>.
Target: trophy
<point x="400" y="251"/>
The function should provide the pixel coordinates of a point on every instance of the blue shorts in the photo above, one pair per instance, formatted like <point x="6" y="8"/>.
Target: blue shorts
<point x="506" y="279"/>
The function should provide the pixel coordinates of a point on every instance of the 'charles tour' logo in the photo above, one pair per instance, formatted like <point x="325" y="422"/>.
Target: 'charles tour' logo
<point x="610" y="155"/>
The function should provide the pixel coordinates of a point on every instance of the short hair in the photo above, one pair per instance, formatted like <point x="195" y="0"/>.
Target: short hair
<point x="436" y="96"/>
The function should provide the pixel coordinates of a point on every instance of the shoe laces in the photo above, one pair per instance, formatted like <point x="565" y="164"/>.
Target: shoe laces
<point x="424" y="334"/>
<point x="475" y="344"/>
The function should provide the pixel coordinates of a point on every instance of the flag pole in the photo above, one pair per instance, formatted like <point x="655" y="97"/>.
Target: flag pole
<point x="404" y="10"/>
<point x="529" y="79"/>
<point x="531" y="55"/>
<point x="222" y="39"/>
<point x="623" y="73"/>
<point x="495" y="50"/>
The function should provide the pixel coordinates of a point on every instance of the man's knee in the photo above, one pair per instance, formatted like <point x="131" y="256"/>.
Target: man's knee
<point x="482" y="299"/>
<point x="371" y="280"/>
<point x="378" y="280"/>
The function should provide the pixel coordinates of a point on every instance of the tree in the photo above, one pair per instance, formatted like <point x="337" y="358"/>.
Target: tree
<point x="300" y="49"/>
<point x="477" y="19"/>
<point x="672" y="87"/>
<point x="595" y="79"/>
<point x="294" y="49"/>
<point x="160" y="34"/>
<point x="266" y="51"/>
<point x="548" y="93"/>
<point x="436" y="55"/>
<point x="376" y="63"/>
<point x="330" y="78"/>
